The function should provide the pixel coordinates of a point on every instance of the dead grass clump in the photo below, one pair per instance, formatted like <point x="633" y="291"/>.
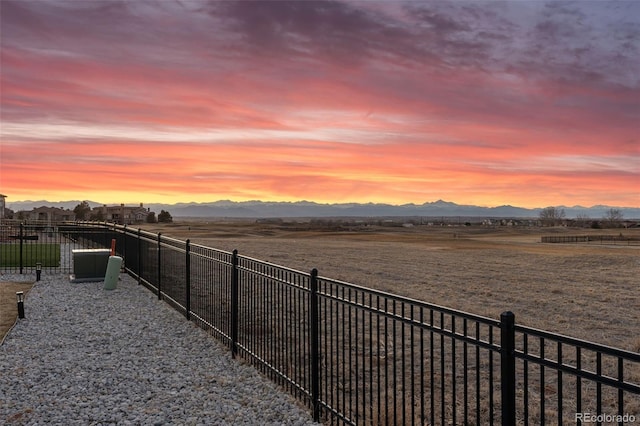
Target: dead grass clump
<point x="635" y="345"/>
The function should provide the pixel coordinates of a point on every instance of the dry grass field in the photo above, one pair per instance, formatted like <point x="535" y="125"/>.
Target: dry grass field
<point x="585" y="290"/>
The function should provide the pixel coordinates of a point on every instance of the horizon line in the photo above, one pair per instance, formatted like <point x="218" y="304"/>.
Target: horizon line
<point x="187" y="203"/>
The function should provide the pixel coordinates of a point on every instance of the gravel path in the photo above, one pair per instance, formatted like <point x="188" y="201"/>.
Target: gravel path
<point x="87" y="356"/>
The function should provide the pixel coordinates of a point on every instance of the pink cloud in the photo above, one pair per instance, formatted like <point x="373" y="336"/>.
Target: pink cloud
<point x="406" y="102"/>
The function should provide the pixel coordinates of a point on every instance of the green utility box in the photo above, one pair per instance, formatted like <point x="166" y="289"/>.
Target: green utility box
<point x="113" y="273"/>
<point x="89" y="264"/>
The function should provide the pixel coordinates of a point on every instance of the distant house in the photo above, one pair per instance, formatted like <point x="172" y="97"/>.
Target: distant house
<point x="124" y="215"/>
<point x="48" y="214"/>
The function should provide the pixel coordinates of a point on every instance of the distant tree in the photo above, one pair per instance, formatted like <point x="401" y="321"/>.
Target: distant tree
<point x="552" y="215"/>
<point x="613" y="217"/>
<point x="151" y="217"/>
<point x="583" y="220"/>
<point x="165" y="217"/>
<point x="82" y="210"/>
<point x="97" y="215"/>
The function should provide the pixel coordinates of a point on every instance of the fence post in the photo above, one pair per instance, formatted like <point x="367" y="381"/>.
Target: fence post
<point x="508" y="368"/>
<point x="314" y="344"/>
<point x="159" y="269"/>
<point x="21" y="239"/>
<point x="234" y="304"/>
<point x="187" y="298"/>
<point x="139" y="247"/>
<point x="124" y="247"/>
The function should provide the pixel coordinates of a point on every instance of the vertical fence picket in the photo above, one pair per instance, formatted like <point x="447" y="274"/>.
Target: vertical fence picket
<point x="314" y="344"/>
<point x="21" y="246"/>
<point x="139" y="248"/>
<point x="234" y="304"/>
<point x="159" y="267"/>
<point x="124" y="247"/>
<point x="508" y="368"/>
<point x="187" y="278"/>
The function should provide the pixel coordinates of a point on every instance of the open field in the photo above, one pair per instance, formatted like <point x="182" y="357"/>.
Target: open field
<point x="8" y="305"/>
<point x="585" y="290"/>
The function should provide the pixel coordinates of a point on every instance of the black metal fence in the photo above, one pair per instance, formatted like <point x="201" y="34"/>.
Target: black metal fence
<point x="27" y="246"/>
<point x="602" y="239"/>
<point x="360" y="356"/>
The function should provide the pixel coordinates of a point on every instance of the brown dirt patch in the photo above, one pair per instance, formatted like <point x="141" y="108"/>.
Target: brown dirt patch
<point x="8" y="305"/>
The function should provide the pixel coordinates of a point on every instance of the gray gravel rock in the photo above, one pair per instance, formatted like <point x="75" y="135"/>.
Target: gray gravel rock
<point x="88" y="356"/>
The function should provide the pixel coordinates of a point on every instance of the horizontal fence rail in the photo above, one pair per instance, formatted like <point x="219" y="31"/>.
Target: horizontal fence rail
<point x="602" y="239"/>
<point x="355" y="355"/>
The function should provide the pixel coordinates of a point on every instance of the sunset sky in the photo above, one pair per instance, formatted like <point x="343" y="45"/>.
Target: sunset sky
<point x="527" y="103"/>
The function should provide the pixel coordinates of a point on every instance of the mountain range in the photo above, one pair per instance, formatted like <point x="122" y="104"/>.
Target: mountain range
<point x="266" y="209"/>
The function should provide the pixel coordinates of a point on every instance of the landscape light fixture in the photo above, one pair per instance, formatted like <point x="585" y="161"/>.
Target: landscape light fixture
<point x="20" y="299"/>
<point x="38" y="270"/>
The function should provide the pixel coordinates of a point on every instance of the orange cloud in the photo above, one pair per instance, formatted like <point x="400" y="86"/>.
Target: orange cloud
<point x="401" y="102"/>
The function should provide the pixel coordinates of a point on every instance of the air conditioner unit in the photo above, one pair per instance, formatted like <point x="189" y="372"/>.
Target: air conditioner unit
<point x="89" y="264"/>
